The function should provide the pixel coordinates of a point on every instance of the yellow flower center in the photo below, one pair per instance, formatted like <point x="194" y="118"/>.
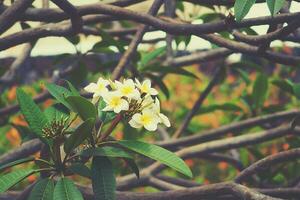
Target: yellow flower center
<point x="127" y="90"/>
<point x="115" y="101"/>
<point x="101" y="86"/>
<point x="145" y="119"/>
<point x="144" y="88"/>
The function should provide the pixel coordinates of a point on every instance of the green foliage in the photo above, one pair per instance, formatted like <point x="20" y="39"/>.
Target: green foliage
<point x="259" y="91"/>
<point x="104" y="116"/>
<point x="169" y="70"/>
<point x="242" y="7"/>
<point x="81" y="169"/>
<point x="56" y="112"/>
<point x="83" y="132"/>
<point x="103" y="179"/>
<point x="84" y="108"/>
<point x="152" y="55"/>
<point x="66" y="190"/>
<point x="275" y="5"/>
<point x="9" y="180"/>
<point x="157" y="153"/>
<point x="106" y="152"/>
<point x="42" y="190"/>
<point x="32" y="114"/>
<point x="59" y="93"/>
<point x="16" y="162"/>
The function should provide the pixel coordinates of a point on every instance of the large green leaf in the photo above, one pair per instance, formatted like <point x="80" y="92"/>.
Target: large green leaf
<point x="260" y="90"/>
<point x="17" y="162"/>
<point x="103" y="179"/>
<point x="83" y="132"/>
<point x="106" y="151"/>
<point x="59" y="93"/>
<point x="32" y="113"/>
<point x="81" y="169"/>
<point x="43" y="190"/>
<point x="72" y="89"/>
<point x="158" y="153"/>
<point x="242" y="7"/>
<point x="56" y="112"/>
<point x="9" y="180"/>
<point x="82" y="106"/>
<point x="66" y="190"/>
<point x="275" y="5"/>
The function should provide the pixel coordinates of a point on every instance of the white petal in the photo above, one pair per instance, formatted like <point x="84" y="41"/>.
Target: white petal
<point x="165" y="120"/>
<point x="147" y="82"/>
<point x="151" y="126"/>
<point x="137" y="118"/>
<point x="117" y="109"/>
<point x="124" y="105"/>
<point x="134" y="124"/>
<point x="91" y="87"/>
<point x="153" y="91"/>
<point x="95" y="99"/>
<point x="102" y="81"/>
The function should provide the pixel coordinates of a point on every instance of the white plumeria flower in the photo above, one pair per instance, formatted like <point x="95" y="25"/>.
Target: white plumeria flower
<point x="114" y="102"/>
<point x="163" y="118"/>
<point x="146" y="119"/>
<point x="98" y="89"/>
<point x="145" y="87"/>
<point x="127" y="89"/>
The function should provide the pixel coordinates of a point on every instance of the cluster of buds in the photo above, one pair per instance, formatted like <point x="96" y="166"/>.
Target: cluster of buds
<point x="136" y="101"/>
<point x="55" y="128"/>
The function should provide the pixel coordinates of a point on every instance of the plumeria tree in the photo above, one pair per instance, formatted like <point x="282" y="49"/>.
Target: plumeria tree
<point x="159" y="100"/>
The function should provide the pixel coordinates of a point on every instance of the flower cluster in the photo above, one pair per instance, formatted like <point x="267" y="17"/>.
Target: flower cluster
<point x="135" y="100"/>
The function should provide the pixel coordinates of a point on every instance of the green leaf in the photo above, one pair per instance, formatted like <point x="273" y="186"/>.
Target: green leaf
<point x="32" y="113"/>
<point x="170" y="70"/>
<point x="72" y="89"/>
<point x="105" y="116"/>
<point x="81" y="169"/>
<point x="260" y="89"/>
<point x="152" y="55"/>
<point x="83" y="132"/>
<point x="17" y="162"/>
<point x="43" y="190"/>
<point x="103" y="179"/>
<point x="9" y="180"/>
<point x="56" y="112"/>
<point x="59" y="93"/>
<point x="242" y="7"/>
<point x="82" y="106"/>
<point x="66" y="190"/>
<point x="158" y="153"/>
<point x="296" y="90"/>
<point x="107" y="152"/>
<point x="284" y="85"/>
<point x="275" y="5"/>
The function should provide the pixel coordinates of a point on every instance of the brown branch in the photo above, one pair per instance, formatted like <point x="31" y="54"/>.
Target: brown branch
<point x="13" y="13"/>
<point x="251" y="50"/>
<point x="266" y="162"/>
<point x="70" y="10"/>
<point x="134" y="43"/>
<point x="26" y="149"/>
